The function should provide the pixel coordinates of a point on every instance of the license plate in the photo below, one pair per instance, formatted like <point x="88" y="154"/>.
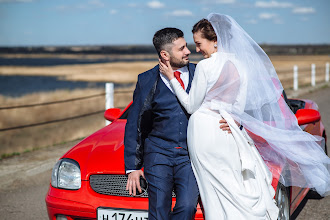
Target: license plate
<point x="121" y="214"/>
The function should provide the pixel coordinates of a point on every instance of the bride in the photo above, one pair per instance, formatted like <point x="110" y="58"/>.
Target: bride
<point x="237" y="82"/>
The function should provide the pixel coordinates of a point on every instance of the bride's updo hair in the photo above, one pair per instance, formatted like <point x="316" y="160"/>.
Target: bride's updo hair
<point x="205" y="27"/>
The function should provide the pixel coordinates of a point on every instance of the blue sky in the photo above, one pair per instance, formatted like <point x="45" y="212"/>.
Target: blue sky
<point x="133" y="22"/>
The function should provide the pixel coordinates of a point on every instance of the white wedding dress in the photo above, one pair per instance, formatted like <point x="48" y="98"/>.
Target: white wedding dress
<point x="233" y="180"/>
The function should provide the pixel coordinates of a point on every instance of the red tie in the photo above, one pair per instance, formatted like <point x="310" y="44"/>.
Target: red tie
<point x="177" y="76"/>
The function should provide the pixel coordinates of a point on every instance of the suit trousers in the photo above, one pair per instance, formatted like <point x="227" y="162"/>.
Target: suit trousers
<point x="166" y="172"/>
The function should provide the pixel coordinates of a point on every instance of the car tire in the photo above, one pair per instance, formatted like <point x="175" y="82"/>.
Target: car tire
<point x="282" y="199"/>
<point x="325" y="147"/>
<point x="312" y="194"/>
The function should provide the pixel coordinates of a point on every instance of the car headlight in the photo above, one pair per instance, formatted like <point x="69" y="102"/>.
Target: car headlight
<point x="66" y="174"/>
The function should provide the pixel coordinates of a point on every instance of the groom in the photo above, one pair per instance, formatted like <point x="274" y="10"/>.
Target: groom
<point x="156" y="134"/>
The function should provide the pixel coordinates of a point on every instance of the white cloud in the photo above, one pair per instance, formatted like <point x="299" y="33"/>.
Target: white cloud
<point x="278" y="20"/>
<point x="304" y="19"/>
<point x="62" y="7"/>
<point x="303" y="10"/>
<point x="273" y="4"/>
<point x="267" y="16"/>
<point x="155" y="4"/>
<point x="275" y="18"/>
<point x="132" y="5"/>
<point x="96" y="3"/>
<point x="82" y="7"/>
<point x="113" y="11"/>
<point x="217" y="1"/>
<point x="27" y="32"/>
<point x="15" y="1"/>
<point x="90" y="5"/>
<point x="225" y="1"/>
<point x="252" y="21"/>
<point x="181" y="13"/>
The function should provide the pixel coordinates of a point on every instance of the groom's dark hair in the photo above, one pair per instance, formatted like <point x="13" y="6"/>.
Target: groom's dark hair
<point x="164" y="37"/>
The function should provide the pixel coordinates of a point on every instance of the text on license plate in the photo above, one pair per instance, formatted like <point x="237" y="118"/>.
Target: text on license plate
<point x="121" y="214"/>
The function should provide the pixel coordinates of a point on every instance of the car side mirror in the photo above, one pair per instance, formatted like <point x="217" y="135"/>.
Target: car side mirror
<point x="112" y="114"/>
<point x="306" y="116"/>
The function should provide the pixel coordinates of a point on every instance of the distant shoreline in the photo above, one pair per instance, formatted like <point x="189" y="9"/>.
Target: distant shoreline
<point x="290" y="49"/>
<point x="20" y="85"/>
<point x="57" y="61"/>
<point x="41" y="59"/>
<point x="127" y="72"/>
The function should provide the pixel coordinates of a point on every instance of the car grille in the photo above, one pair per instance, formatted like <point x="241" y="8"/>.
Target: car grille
<point x="114" y="185"/>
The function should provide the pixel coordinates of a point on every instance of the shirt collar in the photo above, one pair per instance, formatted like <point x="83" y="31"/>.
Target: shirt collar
<point x="183" y="70"/>
<point x="184" y="76"/>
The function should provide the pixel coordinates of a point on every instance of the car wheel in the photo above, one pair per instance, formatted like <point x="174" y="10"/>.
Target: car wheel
<point x="325" y="147"/>
<point x="312" y="194"/>
<point x="282" y="199"/>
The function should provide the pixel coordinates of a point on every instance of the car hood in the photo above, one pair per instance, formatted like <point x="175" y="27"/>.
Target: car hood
<point x="101" y="152"/>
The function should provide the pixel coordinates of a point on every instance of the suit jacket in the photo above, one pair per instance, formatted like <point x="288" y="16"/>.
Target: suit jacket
<point x="139" y="120"/>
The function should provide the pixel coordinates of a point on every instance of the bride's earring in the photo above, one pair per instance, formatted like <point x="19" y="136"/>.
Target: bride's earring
<point x="215" y="48"/>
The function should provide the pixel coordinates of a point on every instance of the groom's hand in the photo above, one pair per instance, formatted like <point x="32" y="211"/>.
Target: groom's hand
<point x="133" y="182"/>
<point x="224" y="126"/>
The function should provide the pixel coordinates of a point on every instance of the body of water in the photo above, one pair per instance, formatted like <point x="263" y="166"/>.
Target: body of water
<point x="16" y="85"/>
<point x="60" y="61"/>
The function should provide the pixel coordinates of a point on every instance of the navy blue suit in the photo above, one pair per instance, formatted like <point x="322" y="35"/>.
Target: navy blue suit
<point x="156" y="138"/>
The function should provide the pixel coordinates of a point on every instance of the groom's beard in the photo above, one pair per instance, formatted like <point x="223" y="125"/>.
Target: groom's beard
<point x="179" y="63"/>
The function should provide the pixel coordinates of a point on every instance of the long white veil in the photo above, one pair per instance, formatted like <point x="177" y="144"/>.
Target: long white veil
<point x="262" y="110"/>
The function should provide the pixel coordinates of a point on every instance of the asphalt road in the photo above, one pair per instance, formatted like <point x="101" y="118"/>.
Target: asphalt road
<point x="24" y="179"/>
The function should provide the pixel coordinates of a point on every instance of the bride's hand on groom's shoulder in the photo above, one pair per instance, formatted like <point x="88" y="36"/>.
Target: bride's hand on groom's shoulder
<point x="133" y="182"/>
<point x="166" y="69"/>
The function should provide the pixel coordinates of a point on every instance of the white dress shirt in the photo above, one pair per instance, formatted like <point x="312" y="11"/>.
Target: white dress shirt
<point x="185" y="78"/>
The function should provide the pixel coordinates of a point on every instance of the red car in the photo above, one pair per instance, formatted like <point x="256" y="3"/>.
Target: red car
<point x="89" y="181"/>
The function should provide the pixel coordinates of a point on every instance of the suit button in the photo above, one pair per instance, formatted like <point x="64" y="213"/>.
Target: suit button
<point x="181" y="113"/>
<point x="180" y="132"/>
<point x="180" y="123"/>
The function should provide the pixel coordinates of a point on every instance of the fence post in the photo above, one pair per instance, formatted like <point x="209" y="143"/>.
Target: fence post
<point x="109" y="91"/>
<point x="313" y="75"/>
<point x="295" y="77"/>
<point x="327" y="72"/>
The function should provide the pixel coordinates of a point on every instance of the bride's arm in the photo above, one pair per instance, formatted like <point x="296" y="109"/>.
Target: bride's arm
<point x="192" y="101"/>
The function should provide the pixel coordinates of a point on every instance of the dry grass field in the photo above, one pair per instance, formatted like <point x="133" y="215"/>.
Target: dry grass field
<point x="124" y="72"/>
<point x="30" y="138"/>
<point x="26" y="139"/>
<point x="284" y="68"/>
